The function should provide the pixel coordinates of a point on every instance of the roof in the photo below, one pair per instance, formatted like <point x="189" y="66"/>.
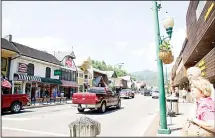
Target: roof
<point x="99" y="71"/>
<point x="126" y="77"/>
<point x="36" y="54"/>
<point x="5" y="44"/>
<point x="110" y="73"/>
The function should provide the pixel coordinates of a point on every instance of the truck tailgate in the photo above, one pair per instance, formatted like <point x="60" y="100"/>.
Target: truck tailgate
<point x="84" y="98"/>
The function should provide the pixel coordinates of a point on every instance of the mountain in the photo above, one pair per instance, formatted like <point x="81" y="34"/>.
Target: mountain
<point x="148" y="76"/>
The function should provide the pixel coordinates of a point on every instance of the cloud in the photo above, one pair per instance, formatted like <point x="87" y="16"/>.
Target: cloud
<point x="121" y="45"/>
<point x="49" y="44"/>
<point x="138" y="52"/>
<point x="6" y="26"/>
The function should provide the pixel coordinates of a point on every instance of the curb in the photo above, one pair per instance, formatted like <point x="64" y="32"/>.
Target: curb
<point x="40" y="106"/>
<point x="151" y="130"/>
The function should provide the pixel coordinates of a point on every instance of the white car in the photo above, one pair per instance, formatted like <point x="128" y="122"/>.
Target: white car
<point x="155" y="94"/>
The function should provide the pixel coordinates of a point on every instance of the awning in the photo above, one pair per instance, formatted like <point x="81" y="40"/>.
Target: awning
<point x="51" y="81"/>
<point x="5" y="83"/>
<point x="69" y="83"/>
<point x="24" y="77"/>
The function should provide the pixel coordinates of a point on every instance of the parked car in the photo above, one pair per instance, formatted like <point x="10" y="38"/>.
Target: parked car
<point x="132" y="94"/>
<point x="125" y="93"/>
<point x="155" y="94"/>
<point x="147" y="93"/>
<point x="99" y="98"/>
<point x="14" y="102"/>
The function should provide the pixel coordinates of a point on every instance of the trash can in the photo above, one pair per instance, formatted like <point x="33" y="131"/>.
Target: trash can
<point x="173" y="104"/>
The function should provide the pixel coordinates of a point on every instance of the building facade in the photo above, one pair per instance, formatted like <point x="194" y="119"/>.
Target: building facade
<point x="199" y="45"/>
<point x="32" y="72"/>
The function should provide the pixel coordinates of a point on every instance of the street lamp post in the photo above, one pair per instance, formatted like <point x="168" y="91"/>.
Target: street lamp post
<point x="168" y="24"/>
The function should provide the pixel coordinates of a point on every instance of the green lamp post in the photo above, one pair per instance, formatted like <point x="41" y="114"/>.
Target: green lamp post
<point x="168" y="24"/>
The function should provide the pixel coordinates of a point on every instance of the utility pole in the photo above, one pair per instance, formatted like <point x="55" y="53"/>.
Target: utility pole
<point x="163" y="119"/>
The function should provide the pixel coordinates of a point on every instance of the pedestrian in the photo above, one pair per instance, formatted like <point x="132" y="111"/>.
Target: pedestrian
<point x="184" y="93"/>
<point x="202" y="125"/>
<point x="193" y="72"/>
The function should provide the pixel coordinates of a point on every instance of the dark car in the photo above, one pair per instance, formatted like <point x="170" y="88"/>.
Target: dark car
<point x="147" y="93"/>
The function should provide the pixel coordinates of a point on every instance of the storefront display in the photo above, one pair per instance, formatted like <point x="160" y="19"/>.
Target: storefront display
<point x="18" y="87"/>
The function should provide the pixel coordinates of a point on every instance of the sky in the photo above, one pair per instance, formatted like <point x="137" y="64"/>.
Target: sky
<point x="113" y="31"/>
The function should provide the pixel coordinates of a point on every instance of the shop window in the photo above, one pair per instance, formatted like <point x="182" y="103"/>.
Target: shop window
<point x="199" y="9"/>
<point x="48" y="72"/>
<point x="30" y="70"/>
<point x="18" y="88"/>
<point x="3" y="64"/>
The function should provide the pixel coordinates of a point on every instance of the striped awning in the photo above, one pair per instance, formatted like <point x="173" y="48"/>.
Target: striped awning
<point x="24" y="77"/>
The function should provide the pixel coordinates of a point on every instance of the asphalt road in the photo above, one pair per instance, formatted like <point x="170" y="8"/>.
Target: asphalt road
<point x="131" y="120"/>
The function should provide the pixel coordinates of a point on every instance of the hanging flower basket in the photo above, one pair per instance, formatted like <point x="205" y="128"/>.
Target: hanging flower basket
<point x="165" y="53"/>
<point x="169" y="60"/>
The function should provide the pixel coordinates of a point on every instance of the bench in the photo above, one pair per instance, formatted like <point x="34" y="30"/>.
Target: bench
<point x="37" y="100"/>
<point x="63" y="99"/>
<point x="46" y="100"/>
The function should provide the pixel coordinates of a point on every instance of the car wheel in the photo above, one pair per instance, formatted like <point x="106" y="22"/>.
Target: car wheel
<point x="16" y="107"/>
<point x="132" y="97"/>
<point x="102" y="109"/>
<point x="118" y="106"/>
<point x="80" y="109"/>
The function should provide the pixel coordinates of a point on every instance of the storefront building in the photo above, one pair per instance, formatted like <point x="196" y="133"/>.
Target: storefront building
<point x="199" y="46"/>
<point x="68" y="76"/>
<point x="87" y="69"/>
<point x="80" y="78"/>
<point x="32" y="72"/>
<point x="8" y="52"/>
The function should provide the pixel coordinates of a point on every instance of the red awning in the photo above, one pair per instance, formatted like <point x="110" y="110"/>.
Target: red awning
<point x="69" y="83"/>
<point x="6" y="83"/>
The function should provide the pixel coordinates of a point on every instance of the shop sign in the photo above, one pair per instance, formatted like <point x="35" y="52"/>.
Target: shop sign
<point x="209" y="11"/>
<point x="22" y="67"/>
<point x="69" y="63"/>
<point x="202" y="67"/>
<point x="57" y="72"/>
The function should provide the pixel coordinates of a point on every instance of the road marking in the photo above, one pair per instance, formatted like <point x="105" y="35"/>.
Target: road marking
<point x="16" y="119"/>
<point x="36" y="132"/>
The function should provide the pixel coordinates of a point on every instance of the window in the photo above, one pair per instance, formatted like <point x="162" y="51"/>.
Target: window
<point x="81" y="75"/>
<point x="85" y="76"/>
<point x="48" y="72"/>
<point x="200" y="7"/>
<point x="3" y="64"/>
<point x="30" y="70"/>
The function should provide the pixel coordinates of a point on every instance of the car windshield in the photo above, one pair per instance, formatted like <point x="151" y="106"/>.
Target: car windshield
<point x="125" y="90"/>
<point x="156" y="91"/>
<point x="96" y="90"/>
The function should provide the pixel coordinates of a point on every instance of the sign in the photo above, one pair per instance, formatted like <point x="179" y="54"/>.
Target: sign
<point x="57" y="72"/>
<point x="209" y="11"/>
<point x="22" y="67"/>
<point x="69" y="63"/>
<point x="202" y="67"/>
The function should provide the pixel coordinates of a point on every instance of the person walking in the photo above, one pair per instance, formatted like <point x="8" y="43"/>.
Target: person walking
<point x="184" y="94"/>
<point x="202" y="124"/>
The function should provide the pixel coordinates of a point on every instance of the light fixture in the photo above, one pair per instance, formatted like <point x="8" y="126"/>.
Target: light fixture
<point x="168" y="24"/>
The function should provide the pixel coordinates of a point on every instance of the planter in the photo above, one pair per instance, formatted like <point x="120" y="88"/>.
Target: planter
<point x="163" y="55"/>
<point x="168" y="60"/>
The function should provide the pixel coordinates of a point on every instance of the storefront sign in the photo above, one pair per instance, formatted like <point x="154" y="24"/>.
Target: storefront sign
<point x="209" y="11"/>
<point x="57" y="72"/>
<point x="69" y="63"/>
<point x="22" y="67"/>
<point x="202" y="67"/>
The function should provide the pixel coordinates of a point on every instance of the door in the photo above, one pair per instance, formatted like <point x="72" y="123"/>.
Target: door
<point x="110" y="98"/>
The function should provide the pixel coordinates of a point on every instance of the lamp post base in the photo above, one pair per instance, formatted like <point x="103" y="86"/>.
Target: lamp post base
<point x="164" y="131"/>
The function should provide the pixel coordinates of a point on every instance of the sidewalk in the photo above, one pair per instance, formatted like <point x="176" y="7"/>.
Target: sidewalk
<point x="179" y="121"/>
<point x="46" y="105"/>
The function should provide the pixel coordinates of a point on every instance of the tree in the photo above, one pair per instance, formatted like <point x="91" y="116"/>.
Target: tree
<point x="101" y="65"/>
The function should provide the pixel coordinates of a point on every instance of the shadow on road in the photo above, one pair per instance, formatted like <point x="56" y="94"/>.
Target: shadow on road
<point x="8" y="113"/>
<point x="95" y="112"/>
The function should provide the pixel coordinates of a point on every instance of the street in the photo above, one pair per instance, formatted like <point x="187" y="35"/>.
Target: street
<point x="131" y="120"/>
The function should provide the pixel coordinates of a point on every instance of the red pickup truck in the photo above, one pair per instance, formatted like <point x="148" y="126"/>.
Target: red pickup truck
<point x="98" y="98"/>
<point x="13" y="102"/>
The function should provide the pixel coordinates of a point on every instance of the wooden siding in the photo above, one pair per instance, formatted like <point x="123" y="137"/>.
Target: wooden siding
<point x="197" y="45"/>
<point x="208" y="68"/>
<point x="180" y="76"/>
